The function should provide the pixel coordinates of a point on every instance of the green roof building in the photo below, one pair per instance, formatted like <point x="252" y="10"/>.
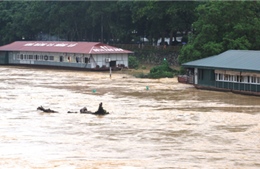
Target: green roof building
<point x="233" y="70"/>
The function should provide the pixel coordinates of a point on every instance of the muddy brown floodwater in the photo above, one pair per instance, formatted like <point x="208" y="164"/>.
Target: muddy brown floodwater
<point x="153" y="124"/>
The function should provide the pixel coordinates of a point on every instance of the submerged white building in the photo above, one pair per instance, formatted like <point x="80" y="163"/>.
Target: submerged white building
<point x="84" y="55"/>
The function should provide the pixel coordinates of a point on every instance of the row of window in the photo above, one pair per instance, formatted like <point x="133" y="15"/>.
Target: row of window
<point x="51" y="58"/>
<point x="35" y="57"/>
<point x="236" y="78"/>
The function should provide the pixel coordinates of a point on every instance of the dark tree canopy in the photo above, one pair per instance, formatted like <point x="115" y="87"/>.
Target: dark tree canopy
<point x="104" y="21"/>
<point x="207" y="28"/>
<point x="222" y="26"/>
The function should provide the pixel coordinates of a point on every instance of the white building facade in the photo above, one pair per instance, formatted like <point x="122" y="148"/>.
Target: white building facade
<point x="86" y="55"/>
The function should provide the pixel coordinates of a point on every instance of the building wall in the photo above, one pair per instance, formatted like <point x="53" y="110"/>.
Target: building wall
<point x="67" y="59"/>
<point x="48" y="56"/>
<point x="102" y="60"/>
<point x="238" y="86"/>
<point x="3" y="58"/>
<point x="47" y="59"/>
<point x="206" y="77"/>
<point x="238" y="82"/>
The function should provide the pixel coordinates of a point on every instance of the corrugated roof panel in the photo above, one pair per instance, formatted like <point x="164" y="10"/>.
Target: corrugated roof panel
<point x="63" y="47"/>
<point x="231" y="59"/>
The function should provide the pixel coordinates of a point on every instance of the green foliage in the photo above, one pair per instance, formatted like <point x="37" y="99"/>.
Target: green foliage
<point x="212" y="48"/>
<point x="164" y="67"/>
<point x="188" y="53"/>
<point x="217" y="29"/>
<point x="215" y="26"/>
<point x="239" y="43"/>
<point x="161" y="71"/>
<point x="133" y="62"/>
<point x="160" y="74"/>
<point x="162" y="18"/>
<point x="110" y="22"/>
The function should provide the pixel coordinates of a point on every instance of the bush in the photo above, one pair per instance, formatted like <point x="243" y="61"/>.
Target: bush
<point x="158" y="75"/>
<point x="162" y="71"/>
<point x="133" y="62"/>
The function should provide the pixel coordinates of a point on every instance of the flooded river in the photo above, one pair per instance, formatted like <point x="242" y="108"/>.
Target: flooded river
<point x="153" y="124"/>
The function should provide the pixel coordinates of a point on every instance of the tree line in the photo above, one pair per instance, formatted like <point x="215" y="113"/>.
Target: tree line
<point x="104" y="21"/>
<point x="206" y="27"/>
<point x="221" y="26"/>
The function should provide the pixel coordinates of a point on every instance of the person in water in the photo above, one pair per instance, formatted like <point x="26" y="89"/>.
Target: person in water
<point x="101" y="110"/>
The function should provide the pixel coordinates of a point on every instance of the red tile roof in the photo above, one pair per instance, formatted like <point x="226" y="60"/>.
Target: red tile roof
<point x="62" y="47"/>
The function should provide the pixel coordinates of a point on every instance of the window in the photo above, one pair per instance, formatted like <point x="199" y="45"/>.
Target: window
<point x="41" y="57"/>
<point x="217" y="76"/>
<point x="221" y="77"/>
<point x="244" y="79"/>
<point x="225" y="77"/>
<point x="253" y="79"/>
<point x="26" y="57"/>
<point x="235" y="78"/>
<point x="51" y="57"/>
<point x="61" y="58"/>
<point x="230" y="78"/>
<point x="80" y="59"/>
<point x="258" y="79"/>
<point x="45" y="57"/>
<point x="238" y="78"/>
<point x="86" y="60"/>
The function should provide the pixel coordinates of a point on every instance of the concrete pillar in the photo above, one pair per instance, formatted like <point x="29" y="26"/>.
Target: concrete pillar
<point x="196" y="76"/>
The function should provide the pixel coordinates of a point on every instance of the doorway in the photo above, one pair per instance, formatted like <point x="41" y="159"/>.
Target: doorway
<point x="112" y="63"/>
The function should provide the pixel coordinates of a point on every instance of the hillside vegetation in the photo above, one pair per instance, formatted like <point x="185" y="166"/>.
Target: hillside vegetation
<point x="179" y="31"/>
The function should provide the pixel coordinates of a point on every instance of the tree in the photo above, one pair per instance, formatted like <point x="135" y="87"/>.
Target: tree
<point x="104" y="21"/>
<point x="164" y="19"/>
<point x="12" y="21"/>
<point x="111" y="21"/>
<point x="181" y="17"/>
<point x="222" y="26"/>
